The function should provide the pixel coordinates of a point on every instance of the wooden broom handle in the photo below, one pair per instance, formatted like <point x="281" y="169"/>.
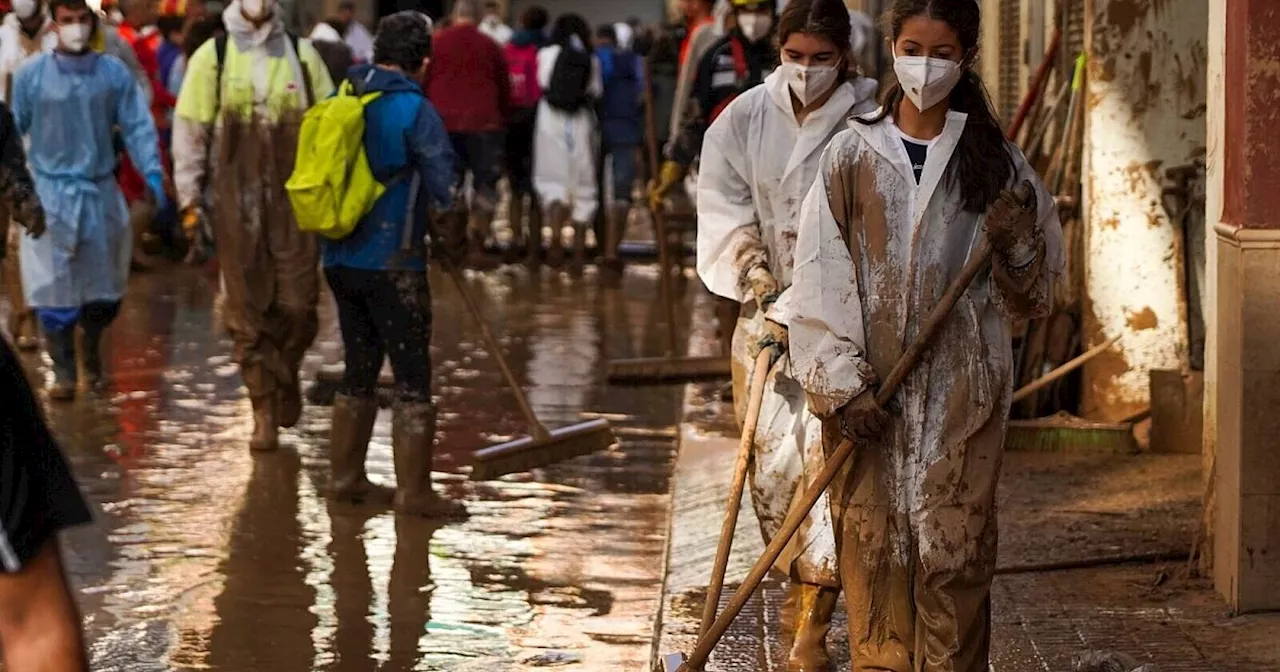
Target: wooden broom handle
<point x="730" y="526"/>
<point x="536" y="428"/>
<point x="659" y="218"/>
<point x="708" y="641"/>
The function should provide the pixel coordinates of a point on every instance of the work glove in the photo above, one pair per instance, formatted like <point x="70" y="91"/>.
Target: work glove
<point x="155" y="182"/>
<point x="862" y="419"/>
<point x="193" y="227"/>
<point x="775" y="337"/>
<point x="764" y="287"/>
<point x="668" y="177"/>
<point x="1011" y="226"/>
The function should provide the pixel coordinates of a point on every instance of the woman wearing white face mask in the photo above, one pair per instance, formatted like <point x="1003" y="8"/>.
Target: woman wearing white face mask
<point x="903" y="200"/>
<point x="759" y="159"/>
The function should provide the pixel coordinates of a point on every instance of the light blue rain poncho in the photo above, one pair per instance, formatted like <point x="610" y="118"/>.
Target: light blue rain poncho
<point x="67" y="106"/>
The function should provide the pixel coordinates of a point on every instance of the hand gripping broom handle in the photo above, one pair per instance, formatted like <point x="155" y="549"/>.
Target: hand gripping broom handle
<point x="798" y="513"/>
<point x="730" y="526"/>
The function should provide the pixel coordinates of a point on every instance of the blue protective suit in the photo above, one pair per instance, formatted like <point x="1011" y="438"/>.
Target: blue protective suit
<point x="67" y="107"/>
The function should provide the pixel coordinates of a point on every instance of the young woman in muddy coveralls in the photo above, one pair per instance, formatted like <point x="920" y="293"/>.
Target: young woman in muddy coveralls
<point x="903" y="199"/>
<point x="759" y="159"/>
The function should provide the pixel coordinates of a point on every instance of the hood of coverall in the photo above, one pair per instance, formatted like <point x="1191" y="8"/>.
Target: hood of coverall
<point x="249" y="36"/>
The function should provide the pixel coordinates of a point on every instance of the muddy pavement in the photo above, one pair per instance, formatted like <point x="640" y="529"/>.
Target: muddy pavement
<point x="206" y="557"/>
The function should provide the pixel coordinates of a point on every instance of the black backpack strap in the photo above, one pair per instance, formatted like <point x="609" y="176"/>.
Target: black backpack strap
<point x="302" y="65"/>
<point x="220" y="48"/>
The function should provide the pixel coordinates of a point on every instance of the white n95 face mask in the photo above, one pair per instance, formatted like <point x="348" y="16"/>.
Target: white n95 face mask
<point x="755" y="26"/>
<point x="926" y="81"/>
<point x="809" y="82"/>
<point x="257" y="10"/>
<point x="75" y="37"/>
<point x="25" y="9"/>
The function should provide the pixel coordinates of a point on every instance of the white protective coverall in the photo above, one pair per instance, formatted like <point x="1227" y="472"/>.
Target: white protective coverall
<point x="565" y="145"/>
<point x="757" y="166"/>
<point x="915" y="509"/>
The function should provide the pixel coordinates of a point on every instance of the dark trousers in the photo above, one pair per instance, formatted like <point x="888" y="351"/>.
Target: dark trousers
<point x="384" y="313"/>
<point x="481" y="155"/>
<point x="519" y="154"/>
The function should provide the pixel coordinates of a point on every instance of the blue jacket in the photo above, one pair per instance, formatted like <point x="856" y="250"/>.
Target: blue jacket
<point x="621" y="106"/>
<point x="404" y="138"/>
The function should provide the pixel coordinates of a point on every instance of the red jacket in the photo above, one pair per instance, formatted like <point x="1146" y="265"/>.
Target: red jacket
<point x="467" y="80"/>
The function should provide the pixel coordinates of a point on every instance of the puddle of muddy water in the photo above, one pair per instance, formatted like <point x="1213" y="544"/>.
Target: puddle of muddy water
<point x="205" y="557"/>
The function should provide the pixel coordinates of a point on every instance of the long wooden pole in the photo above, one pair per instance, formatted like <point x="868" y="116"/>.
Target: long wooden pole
<point x="708" y="641"/>
<point x="730" y="525"/>
<point x="659" y="218"/>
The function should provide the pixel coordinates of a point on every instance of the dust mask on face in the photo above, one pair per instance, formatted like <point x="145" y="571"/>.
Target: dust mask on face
<point x="25" y="9"/>
<point x="755" y="26"/>
<point x="926" y="81"/>
<point x="257" y="10"/>
<point x="809" y="82"/>
<point x="75" y="37"/>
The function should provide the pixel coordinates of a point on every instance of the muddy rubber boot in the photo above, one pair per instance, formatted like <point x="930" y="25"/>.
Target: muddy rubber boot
<point x="579" y="245"/>
<point x="61" y="346"/>
<point x="91" y="357"/>
<point x="515" y="219"/>
<point x="266" y="437"/>
<point x="557" y="216"/>
<point x="814" y="607"/>
<point x="348" y="446"/>
<point x="22" y="325"/>
<point x="615" y="225"/>
<point x="413" y="432"/>
<point x="289" y="400"/>
<point x="477" y="232"/>
<point x="533" y="235"/>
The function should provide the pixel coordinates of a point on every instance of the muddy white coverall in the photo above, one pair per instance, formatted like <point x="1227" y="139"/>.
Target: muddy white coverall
<point x="565" y="145"/>
<point x="757" y="166"/>
<point x="914" y="510"/>
<point x="237" y="136"/>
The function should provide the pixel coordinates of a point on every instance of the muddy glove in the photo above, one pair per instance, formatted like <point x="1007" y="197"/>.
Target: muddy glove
<point x="1011" y="226"/>
<point x="193" y="227"/>
<point x="764" y="286"/>
<point x="668" y="177"/>
<point x="862" y="419"/>
<point x="775" y="337"/>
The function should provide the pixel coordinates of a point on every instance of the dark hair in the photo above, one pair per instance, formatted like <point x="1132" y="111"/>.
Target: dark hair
<point x="828" y="19"/>
<point x="200" y="32"/>
<point x="569" y="25"/>
<point x="535" y="17"/>
<point x="403" y="40"/>
<point x="495" y="7"/>
<point x="72" y="5"/>
<point x="606" y="32"/>
<point x="983" y="164"/>
<point x="171" y="24"/>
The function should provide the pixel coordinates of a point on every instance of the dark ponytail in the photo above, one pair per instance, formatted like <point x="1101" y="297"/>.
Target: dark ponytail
<point x="983" y="165"/>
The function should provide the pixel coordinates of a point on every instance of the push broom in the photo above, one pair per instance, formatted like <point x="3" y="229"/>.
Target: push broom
<point x="543" y="446"/>
<point x="669" y="368"/>
<point x="676" y="662"/>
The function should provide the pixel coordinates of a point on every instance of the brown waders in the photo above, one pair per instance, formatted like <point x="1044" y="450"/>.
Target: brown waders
<point x="269" y="269"/>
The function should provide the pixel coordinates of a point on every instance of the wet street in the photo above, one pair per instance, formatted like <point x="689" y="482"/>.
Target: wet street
<point x="204" y="557"/>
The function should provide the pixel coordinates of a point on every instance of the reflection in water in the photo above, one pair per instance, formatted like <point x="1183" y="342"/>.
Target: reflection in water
<point x="205" y="557"/>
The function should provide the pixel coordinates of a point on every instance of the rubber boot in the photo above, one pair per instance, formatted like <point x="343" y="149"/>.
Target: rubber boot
<point x="557" y="217"/>
<point x="289" y="400"/>
<point x="615" y="225"/>
<point x="813" y="607"/>
<point x="515" y="219"/>
<point x="266" y="436"/>
<point x="533" y="235"/>
<point x="91" y="356"/>
<point x="61" y="346"/>
<point x="413" y="431"/>
<point x="349" y="436"/>
<point x="477" y="232"/>
<point x="579" y="245"/>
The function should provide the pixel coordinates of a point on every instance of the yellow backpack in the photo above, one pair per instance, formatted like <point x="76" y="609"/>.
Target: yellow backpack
<point x="332" y="185"/>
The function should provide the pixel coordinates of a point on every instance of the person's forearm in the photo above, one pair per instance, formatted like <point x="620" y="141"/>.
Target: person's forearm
<point x="39" y="619"/>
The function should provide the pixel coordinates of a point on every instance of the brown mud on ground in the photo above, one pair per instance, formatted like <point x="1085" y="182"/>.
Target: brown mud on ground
<point x="206" y="557"/>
